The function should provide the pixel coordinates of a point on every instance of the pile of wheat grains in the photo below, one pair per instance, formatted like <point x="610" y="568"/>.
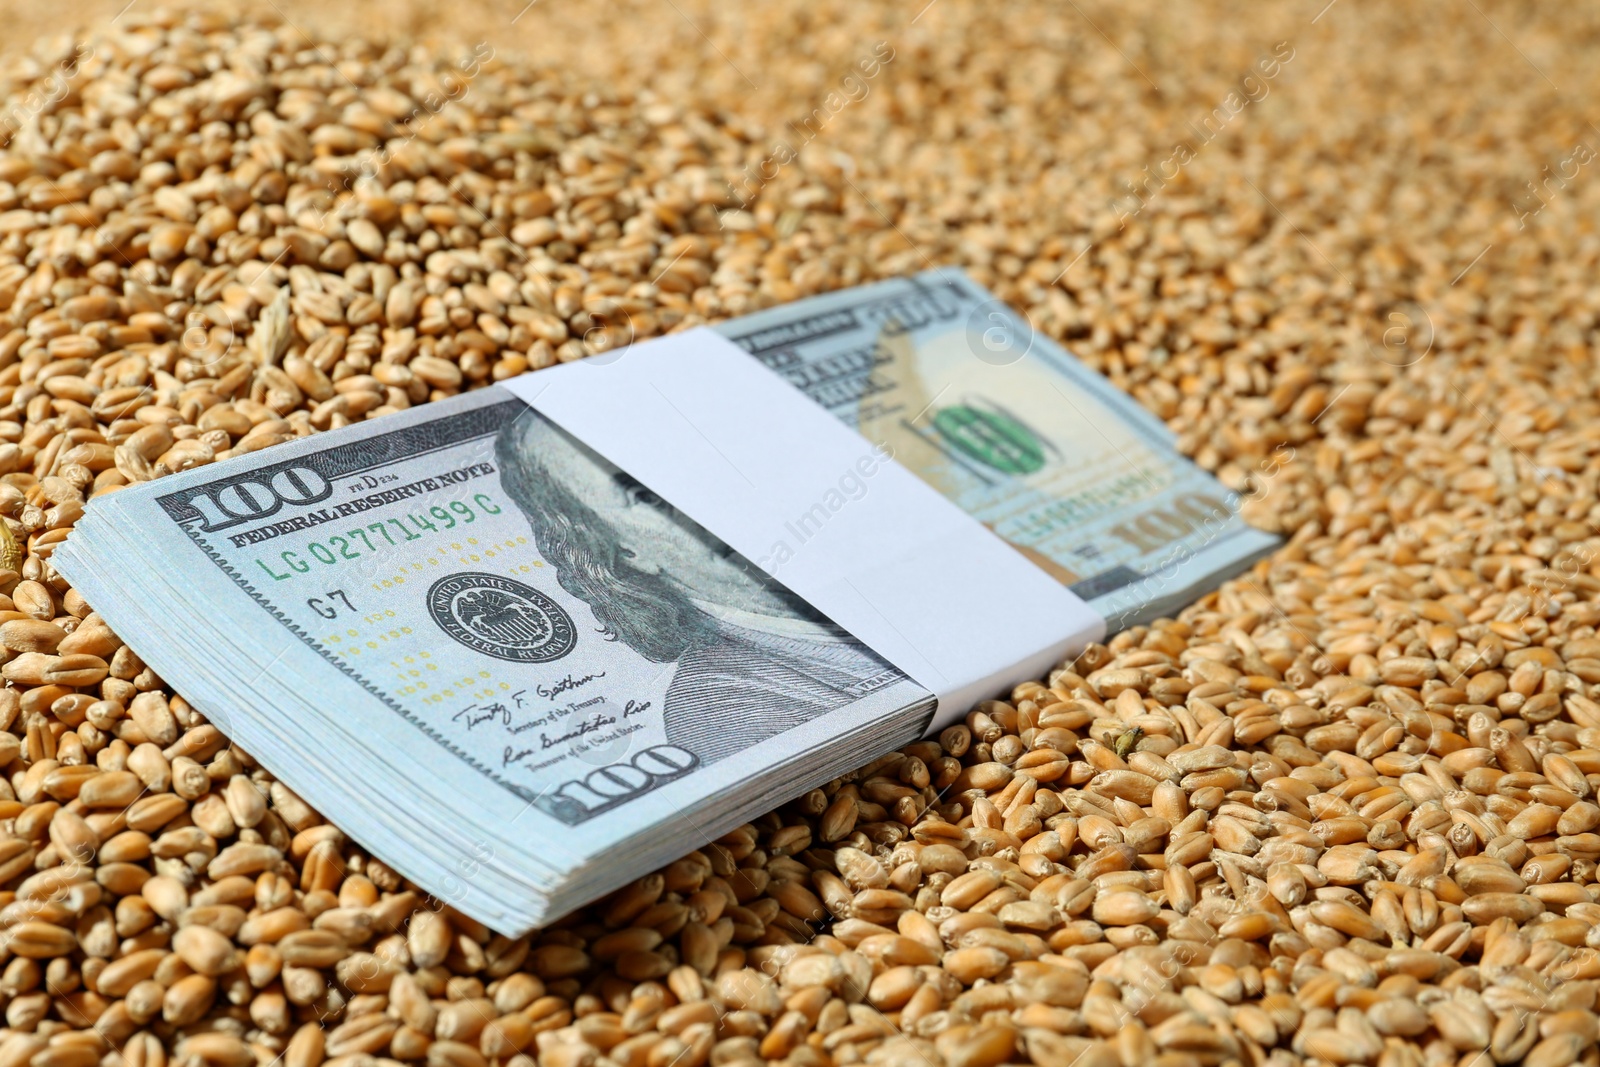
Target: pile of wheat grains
<point x="1348" y="254"/>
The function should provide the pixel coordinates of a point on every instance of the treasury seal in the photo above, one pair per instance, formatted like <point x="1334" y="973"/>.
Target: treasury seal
<point x="501" y="618"/>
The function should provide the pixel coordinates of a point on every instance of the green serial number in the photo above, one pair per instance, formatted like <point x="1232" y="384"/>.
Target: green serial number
<point x="377" y="537"/>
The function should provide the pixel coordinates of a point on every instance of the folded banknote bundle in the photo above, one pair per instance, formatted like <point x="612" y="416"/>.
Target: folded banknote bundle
<point x="529" y="643"/>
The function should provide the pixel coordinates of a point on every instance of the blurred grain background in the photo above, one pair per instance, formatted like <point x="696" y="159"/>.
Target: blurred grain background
<point x="1410" y="198"/>
<point x="1408" y="201"/>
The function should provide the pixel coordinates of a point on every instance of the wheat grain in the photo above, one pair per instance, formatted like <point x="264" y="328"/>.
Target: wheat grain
<point x="1340" y="811"/>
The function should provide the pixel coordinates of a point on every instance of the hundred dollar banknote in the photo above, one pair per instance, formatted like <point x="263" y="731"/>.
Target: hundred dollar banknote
<point x="466" y="606"/>
<point x="1010" y="427"/>
<point x="523" y="679"/>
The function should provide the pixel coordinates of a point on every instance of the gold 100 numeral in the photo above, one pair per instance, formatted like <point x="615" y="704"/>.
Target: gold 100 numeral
<point x="1162" y="526"/>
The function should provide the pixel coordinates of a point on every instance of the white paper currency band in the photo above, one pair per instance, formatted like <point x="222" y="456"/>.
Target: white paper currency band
<point x="752" y="459"/>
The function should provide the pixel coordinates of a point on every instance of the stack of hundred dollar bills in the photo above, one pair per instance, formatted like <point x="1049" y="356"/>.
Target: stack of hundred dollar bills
<point x="522" y="679"/>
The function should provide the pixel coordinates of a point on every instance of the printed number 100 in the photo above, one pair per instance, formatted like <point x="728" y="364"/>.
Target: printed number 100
<point x="1162" y="526"/>
<point x="620" y="781"/>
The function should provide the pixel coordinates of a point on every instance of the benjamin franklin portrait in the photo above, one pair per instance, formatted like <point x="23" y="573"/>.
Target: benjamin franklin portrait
<point x="752" y="660"/>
